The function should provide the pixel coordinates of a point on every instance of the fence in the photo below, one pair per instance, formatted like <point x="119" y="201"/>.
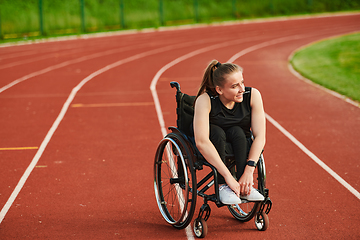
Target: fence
<point x="29" y="18"/>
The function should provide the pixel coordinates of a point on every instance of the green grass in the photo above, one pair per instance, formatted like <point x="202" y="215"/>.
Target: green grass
<point x="332" y="63"/>
<point x="21" y="18"/>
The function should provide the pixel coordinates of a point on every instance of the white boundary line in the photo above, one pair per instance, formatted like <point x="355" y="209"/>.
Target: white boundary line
<point x="60" y="117"/>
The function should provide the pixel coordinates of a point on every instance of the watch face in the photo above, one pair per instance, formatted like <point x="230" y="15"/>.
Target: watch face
<point x="251" y="163"/>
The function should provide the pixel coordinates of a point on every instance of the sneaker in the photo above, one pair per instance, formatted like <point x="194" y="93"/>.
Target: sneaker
<point x="254" y="196"/>
<point x="227" y="196"/>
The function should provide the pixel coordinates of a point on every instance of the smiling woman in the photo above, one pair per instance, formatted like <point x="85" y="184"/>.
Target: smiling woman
<point x="333" y="63"/>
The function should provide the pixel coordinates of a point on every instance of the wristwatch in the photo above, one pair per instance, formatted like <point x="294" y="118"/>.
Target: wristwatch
<point x="251" y="163"/>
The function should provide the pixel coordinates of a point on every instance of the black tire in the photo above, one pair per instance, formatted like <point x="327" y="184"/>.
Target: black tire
<point x="261" y="221"/>
<point x="175" y="181"/>
<point x="200" y="228"/>
<point x="244" y="212"/>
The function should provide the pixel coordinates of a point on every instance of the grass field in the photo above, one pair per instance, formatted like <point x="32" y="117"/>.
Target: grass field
<point x="19" y="18"/>
<point x="333" y="63"/>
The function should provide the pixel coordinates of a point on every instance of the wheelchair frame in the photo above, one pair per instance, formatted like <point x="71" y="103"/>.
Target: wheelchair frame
<point x="175" y="182"/>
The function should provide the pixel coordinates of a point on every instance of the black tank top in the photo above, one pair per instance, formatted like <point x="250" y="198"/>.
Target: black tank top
<point x="239" y="115"/>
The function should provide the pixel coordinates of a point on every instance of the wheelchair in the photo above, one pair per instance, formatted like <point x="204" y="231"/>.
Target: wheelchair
<point x="176" y="188"/>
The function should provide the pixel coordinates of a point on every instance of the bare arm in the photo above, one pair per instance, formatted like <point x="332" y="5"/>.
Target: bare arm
<point x="258" y="127"/>
<point x="203" y="143"/>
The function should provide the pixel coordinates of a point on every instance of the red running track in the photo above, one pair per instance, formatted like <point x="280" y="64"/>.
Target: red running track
<point x="80" y="129"/>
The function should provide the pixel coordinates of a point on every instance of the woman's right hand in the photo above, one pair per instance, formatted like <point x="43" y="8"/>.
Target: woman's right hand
<point x="233" y="184"/>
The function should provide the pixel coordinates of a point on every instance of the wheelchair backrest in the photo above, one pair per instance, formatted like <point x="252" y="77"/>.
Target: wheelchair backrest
<point x="184" y="110"/>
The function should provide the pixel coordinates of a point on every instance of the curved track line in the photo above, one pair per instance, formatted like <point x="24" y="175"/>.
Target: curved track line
<point x="60" y="65"/>
<point x="66" y="63"/>
<point x="60" y="117"/>
<point x="264" y="44"/>
<point x="285" y="132"/>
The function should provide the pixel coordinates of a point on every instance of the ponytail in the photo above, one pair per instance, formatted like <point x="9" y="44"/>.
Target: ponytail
<point x="207" y="84"/>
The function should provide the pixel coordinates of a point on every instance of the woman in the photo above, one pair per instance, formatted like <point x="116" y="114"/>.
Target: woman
<point x="225" y="111"/>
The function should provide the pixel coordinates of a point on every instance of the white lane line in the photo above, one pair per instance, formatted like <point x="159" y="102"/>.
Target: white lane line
<point x="264" y="44"/>
<point x="285" y="132"/>
<point x="35" y="59"/>
<point x="60" y="65"/>
<point x="19" y="54"/>
<point x="313" y="157"/>
<point x="63" y="111"/>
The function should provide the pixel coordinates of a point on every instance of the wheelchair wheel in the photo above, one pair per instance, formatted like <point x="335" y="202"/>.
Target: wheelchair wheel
<point x="200" y="228"/>
<point x="175" y="181"/>
<point x="246" y="211"/>
<point x="261" y="221"/>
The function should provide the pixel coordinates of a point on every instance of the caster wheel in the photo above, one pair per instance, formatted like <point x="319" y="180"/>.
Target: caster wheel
<point x="200" y="228"/>
<point x="261" y="221"/>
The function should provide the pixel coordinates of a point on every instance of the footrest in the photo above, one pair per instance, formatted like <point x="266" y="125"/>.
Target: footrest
<point x="205" y="209"/>
<point x="266" y="204"/>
